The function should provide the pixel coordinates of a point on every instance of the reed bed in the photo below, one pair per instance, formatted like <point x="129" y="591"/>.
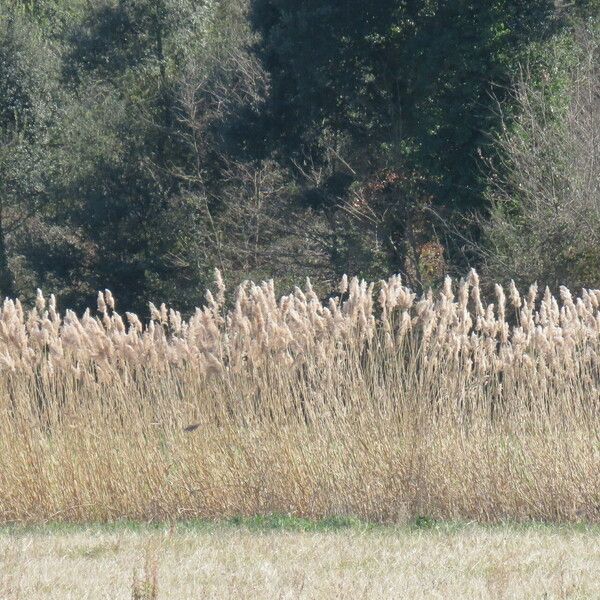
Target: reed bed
<point x="376" y="404"/>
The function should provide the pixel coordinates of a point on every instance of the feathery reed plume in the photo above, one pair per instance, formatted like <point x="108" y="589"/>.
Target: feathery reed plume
<point x="374" y="403"/>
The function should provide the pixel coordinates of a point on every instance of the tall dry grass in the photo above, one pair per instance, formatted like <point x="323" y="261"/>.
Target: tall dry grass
<point x="376" y="404"/>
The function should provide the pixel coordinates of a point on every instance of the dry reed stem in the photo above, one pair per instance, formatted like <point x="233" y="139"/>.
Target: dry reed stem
<point x="443" y="405"/>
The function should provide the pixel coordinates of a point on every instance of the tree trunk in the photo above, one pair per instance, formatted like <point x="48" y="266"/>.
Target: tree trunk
<point x="7" y="282"/>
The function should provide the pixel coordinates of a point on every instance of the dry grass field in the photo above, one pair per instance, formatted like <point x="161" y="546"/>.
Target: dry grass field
<point x="376" y="405"/>
<point x="239" y="562"/>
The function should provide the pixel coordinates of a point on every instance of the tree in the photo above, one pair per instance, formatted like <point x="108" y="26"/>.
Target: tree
<point x="545" y="191"/>
<point x="28" y="95"/>
<point x="395" y="87"/>
<point x="119" y="140"/>
<point x="144" y="142"/>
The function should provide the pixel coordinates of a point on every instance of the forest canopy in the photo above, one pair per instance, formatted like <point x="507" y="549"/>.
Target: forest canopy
<point x="144" y="143"/>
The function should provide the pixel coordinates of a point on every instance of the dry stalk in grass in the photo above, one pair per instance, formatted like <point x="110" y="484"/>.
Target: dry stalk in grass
<point x="383" y="406"/>
<point x="145" y="584"/>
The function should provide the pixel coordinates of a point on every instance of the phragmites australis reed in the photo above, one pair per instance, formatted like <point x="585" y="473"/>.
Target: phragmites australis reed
<point x="375" y="403"/>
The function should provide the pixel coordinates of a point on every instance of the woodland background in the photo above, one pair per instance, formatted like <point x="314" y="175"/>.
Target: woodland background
<point x="145" y="142"/>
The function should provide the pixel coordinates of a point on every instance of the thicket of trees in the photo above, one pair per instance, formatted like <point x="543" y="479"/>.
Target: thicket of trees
<point x="145" y="142"/>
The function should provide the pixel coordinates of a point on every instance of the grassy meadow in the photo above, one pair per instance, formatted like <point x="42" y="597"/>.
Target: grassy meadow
<point x="295" y="558"/>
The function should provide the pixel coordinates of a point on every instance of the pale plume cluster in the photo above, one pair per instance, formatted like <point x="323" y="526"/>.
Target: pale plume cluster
<point x="376" y="403"/>
<point x="513" y="332"/>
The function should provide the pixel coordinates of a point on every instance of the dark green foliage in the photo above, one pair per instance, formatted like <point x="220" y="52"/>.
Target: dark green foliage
<point x="545" y="219"/>
<point x="29" y="98"/>
<point x="408" y="86"/>
<point x="145" y="142"/>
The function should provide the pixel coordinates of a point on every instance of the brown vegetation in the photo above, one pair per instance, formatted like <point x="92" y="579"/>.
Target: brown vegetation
<point x="376" y="404"/>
